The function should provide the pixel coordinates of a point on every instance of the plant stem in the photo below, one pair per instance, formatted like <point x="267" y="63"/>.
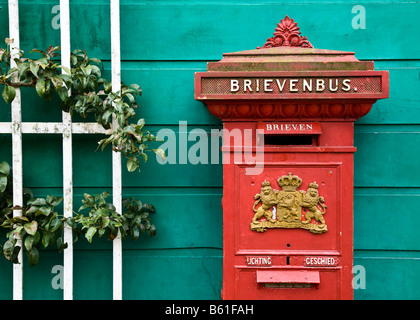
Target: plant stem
<point x="18" y="84"/>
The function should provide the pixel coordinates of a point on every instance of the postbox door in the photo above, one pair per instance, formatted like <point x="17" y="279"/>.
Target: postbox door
<point x="288" y="231"/>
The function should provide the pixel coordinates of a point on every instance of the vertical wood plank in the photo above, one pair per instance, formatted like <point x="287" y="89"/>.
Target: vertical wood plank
<point x="67" y="156"/>
<point x="16" y="145"/>
<point x="116" y="156"/>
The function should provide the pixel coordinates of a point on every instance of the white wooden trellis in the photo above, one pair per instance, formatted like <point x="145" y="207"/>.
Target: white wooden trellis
<point x="16" y="128"/>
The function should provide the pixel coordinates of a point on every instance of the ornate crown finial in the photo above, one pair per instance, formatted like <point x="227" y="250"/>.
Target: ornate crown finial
<point x="287" y="34"/>
<point x="313" y="185"/>
<point x="266" y="184"/>
<point x="289" y="182"/>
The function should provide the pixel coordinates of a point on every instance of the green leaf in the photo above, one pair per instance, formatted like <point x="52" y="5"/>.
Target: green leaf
<point x="34" y="68"/>
<point x="144" y="157"/>
<point x="12" y="72"/>
<point x="105" y="195"/>
<point x="160" y="153"/>
<point x="32" y="209"/>
<point x="66" y="77"/>
<point x="8" y="94"/>
<point x="96" y="71"/>
<point x="101" y="212"/>
<point x="105" y="222"/>
<point x="22" y="68"/>
<point x="107" y="86"/>
<point x="11" y="252"/>
<point x="15" y="255"/>
<point x="43" y="62"/>
<point x="48" y="90"/>
<point x="61" y="245"/>
<point x="29" y="241"/>
<point x="33" y="256"/>
<point x="120" y="118"/>
<point x="136" y="87"/>
<point x="90" y="233"/>
<point x="40" y="87"/>
<point x="73" y="60"/>
<point x="8" y="249"/>
<point x="56" y="201"/>
<point x="3" y="183"/>
<point x="112" y="232"/>
<point x="123" y="232"/>
<point x="148" y="208"/>
<point x="49" y="198"/>
<point x="37" y="202"/>
<point x="137" y="220"/>
<point x="63" y="93"/>
<point x="71" y="222"/>
<point x="31" y="227"/>
<point x="37" y="236"/>
<point x="47" y="238"/>
<point x="16" y="233"/>
<point x="106" y="116"/>
<point x="42" y="210"/>
<point x="88" y="197"/>
<point x="20" y="219"/>
<point x="54" y="224"/>
<point x="57" y="82"/>
<point x="101" y="232"/>
<point x="86" y="70"/>
<point x="95" y="60"/>
<point x="5" y="168"/>
<point x="152" y="230"/>
<point x="132" y="164"/>
<point x="135" y="233"/>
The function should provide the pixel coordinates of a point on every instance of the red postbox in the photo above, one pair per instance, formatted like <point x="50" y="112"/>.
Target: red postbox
<point x="288" y="112"/>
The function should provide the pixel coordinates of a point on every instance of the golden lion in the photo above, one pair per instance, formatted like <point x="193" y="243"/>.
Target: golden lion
<point x="268" y="199"/>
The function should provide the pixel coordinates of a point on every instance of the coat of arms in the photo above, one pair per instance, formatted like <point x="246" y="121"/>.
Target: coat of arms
<point x="289" y="207"/>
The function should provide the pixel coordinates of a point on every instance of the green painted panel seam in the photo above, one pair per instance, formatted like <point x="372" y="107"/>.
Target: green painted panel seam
<point x="386" y="253"/>
<point x="400" y="128"/>
<point x="387" y="193"/>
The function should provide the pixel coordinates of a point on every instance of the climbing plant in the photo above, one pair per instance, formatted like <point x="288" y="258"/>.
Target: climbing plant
<point x="89" y="94"/>
<point x="81" y="90"/>
<point x="40" y="224"/>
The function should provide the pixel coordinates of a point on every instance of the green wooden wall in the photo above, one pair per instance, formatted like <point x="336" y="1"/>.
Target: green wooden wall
<point x="163" y="43"/>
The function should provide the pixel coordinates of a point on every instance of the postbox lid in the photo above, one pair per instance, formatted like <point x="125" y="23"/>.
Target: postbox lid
<point x="287" y="50"/>
<point x="289" y="59"/>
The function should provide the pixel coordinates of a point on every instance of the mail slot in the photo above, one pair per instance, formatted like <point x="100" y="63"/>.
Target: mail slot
<point x="287" y="279"/>
<point x="283" y="134"/>
<point x="288" y="178"/>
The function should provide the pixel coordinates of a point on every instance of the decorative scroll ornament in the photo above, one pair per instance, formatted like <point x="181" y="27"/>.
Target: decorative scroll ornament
<point x="287" y="34"/>
<point x="289" y="207"/>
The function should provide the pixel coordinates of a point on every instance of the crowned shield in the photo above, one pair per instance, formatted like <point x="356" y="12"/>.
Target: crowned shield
<point x="294" y="208"/>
